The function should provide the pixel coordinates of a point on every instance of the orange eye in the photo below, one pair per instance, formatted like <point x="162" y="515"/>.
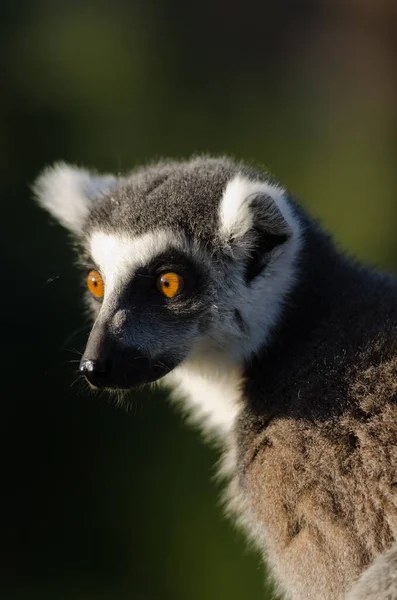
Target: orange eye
<point x="170" y="284"/>
<point x="95" y="284"/>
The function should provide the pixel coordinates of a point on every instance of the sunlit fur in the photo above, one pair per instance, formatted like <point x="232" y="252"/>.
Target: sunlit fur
<point x="67" y="192"/>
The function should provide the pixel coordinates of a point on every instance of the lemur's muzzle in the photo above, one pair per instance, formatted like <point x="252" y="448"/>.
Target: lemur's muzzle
<point x="109" y="364"/>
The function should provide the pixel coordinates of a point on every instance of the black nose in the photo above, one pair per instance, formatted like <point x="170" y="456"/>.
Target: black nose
<point x="96" y="371"/>
<point x="108" y="364"/>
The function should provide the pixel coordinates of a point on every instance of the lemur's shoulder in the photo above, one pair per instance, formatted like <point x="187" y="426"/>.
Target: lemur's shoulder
<point x="319" y="432"/>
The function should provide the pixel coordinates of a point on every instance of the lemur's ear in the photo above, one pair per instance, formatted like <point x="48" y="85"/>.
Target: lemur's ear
<point x="255" y="217"/>
<point x="67" y="192"/>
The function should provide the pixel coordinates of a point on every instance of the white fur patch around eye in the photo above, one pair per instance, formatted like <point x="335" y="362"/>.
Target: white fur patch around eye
<point x="117" y="256"/>
<point x="236" y="217"/>
<point x="67" y="192"/>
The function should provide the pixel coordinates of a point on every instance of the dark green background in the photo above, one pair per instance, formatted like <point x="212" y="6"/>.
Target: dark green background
<point x="97" y="504"/>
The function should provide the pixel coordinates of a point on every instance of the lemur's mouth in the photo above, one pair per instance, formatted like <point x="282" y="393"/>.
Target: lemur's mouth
<point x="129" y="370"/>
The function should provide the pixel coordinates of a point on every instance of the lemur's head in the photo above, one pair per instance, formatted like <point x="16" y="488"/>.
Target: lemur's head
<point x="182" y="261"/>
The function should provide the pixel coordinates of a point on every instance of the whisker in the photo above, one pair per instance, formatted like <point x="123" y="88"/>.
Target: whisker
<point x="73" y="334"/>
<point x="51" y="279"/>
<point x="74" y="350"/>
<point x="161" y="364"/>
<point x="78" y="379"/>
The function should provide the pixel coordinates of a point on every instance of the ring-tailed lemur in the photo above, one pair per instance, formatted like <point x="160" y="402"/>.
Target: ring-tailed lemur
<point x="206" y="274"/>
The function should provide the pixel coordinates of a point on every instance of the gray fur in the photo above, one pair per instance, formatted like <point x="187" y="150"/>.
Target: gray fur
<point x="292" y="340"/>
<point x="379" y="582"/>
<point x="151" y="198"/>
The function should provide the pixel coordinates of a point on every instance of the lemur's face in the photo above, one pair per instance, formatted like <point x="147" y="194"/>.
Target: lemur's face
<point x="176" y="258"/>
<point x="153" y="296"/>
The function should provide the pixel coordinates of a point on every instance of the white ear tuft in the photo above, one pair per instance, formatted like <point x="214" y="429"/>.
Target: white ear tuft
<point x="236" y="209"/>
<point x="67" y="192"/>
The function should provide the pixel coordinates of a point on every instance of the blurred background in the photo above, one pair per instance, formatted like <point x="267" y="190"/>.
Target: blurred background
<point x="98" y="504"/>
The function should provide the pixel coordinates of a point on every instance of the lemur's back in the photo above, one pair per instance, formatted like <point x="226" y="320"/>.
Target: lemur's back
<point x="318" y="439"/>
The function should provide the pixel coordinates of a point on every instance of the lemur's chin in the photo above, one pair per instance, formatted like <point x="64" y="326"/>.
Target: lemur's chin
<point x="130" y="374"/>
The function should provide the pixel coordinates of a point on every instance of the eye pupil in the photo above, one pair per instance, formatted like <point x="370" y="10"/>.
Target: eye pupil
<point x="95" y="284"/>
<point x="170" y="284"/>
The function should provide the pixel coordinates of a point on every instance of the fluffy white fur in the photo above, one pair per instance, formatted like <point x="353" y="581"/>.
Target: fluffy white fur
<point x="235" y="213"/>
<point x="379" y="581"/>
<point x="208" y="387"/>
<point x="261" y="304"/>
<point x="67" y="193"/>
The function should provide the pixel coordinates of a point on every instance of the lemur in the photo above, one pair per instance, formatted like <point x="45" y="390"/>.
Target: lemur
<point x="207" y="275"/>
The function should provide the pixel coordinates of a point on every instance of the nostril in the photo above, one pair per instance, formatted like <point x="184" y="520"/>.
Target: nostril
<point x="92" y="368"/>
<point x="87" y="365"/>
